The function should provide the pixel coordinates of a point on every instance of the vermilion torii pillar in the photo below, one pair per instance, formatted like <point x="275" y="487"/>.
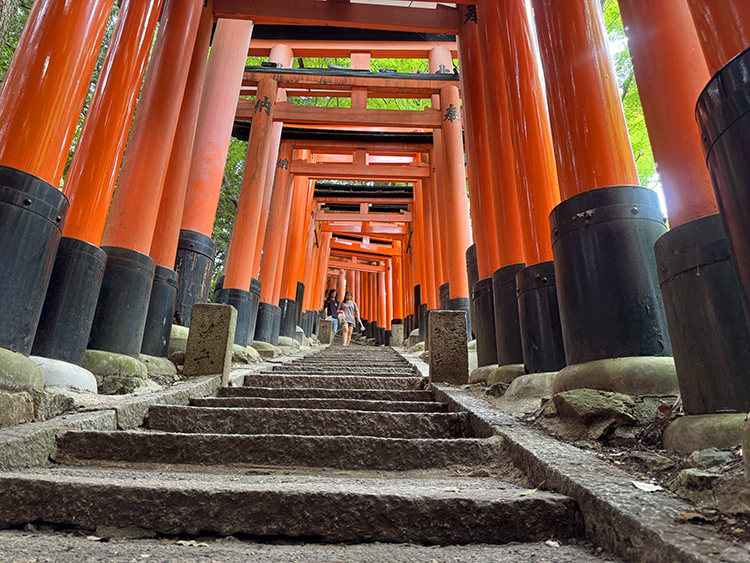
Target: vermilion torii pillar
<point x="123" y="302"/>
<point x="280" y="54"/>
<point x="40" y="103"/>
<point x="195" y="249"/>
<point x="79" y="266"/>
<point x="723" y="28"/>
<point x="597" y="174"/>
<point x="454" y="194"/>
<point x="165" y="241"/>
<point x="478" y="153"/>
<point x="667" y="57"/>
<point x="382" y="294"/>
<point x="268" y="313"/>
<point x="299" y="224"/>
<point x="238" y="271"/>
<point x="389" y="292"/>
<point x="503" y="161"/>
<point x="430" y="204"/>
<point x="398" y="289"/>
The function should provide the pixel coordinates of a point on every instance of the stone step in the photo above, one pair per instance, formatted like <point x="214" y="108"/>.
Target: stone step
<point x="322" y="393"/>
<point x="308" y="422"/>
<point x="343" y="370"/>
<point x="335" y="452"/>
<point x="334" y="381"/>
<point x="333" y="404"/>
<point x="326" y="509"/>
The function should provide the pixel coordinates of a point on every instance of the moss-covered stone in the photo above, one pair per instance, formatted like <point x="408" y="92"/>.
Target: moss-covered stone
<point x="589" y="405"/>
<point x="289" y="342"/>
<point x="505" y="374"/>
<point x="178" y="339"/>
<point x="158" y="366"/>
<point x="480" y="374"/>
<point x="646" y="375"/>
<point x="698" y="432"/>
<point x="245" y="355"/>
<point x="19" y="373"/>
<point x="104" y="363"/>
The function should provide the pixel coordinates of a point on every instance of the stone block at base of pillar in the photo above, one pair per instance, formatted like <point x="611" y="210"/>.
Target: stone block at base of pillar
<point x="325" y="333"/>
<point x="299" y="336"/>
<point x="449" y="355"/>
<point x="286" y="341"/>
<point x="178" y="339"/>
<point x="642" y="375"/>
<point x="265" y="350"/>
<point x="472" y="344"/>
<point x="158" y="366"/>
<point x="117" y="374"/>
<point x="245" y="355"/>
<point x="17" y="372"/>
<point x="526" y="393"/>
<point x="699" y="432"/>
<point x="397" y="335"/>
<point x="211" y="340"/>
<point x="480" y="374"/>
<point x="63" y="374"/>
<point x="505" y="374"/>
<point x="413" y="338"/>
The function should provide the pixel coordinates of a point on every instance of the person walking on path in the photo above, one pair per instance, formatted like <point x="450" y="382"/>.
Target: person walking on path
<point x="331" y="308"/>
<point x="351" y="316"/>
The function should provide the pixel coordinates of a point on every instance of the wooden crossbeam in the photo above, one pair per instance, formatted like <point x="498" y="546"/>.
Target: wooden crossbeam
<point x="365" y="229"/>
<point x="404" y="173"/>
<point x="442" y="19"/>
<point x="360" y="217"/>
<point x="344" y="49"/>
<point x="384" y="251"/>
<point x="360" y="199"/>
<point x="348" y="147"/>
<point x="376" y="85"/>
<point x="340" y="264"/>
<point x="311" y="115"/>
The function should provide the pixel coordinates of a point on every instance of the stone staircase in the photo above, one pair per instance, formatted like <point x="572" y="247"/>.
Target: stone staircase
<point x="344" y="445"/>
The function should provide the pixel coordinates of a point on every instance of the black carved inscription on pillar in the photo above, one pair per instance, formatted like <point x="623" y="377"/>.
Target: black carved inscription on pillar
<point x="264" y="104"/>
<point x="451" y="114"/>
<point x="283" y="163"/>
<point x="471" y="13"/>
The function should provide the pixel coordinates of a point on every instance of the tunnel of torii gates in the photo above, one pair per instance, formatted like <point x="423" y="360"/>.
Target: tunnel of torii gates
<point x="561" y="261"/>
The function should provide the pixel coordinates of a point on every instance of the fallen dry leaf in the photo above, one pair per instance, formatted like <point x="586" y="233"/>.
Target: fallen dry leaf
<point x="694" y="516"/>
<point x="94" y="538"/>
<point x="648" y="487"/>
<point x="451" y="489"/>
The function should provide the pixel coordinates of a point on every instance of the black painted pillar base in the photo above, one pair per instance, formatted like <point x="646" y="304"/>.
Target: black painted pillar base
<point x="69" y="307"/>
<point x="707" y="326"/>
<point x="255" y="287"/>
<point x="299" y="298"/>
<point x="195" y="266"/>
<point x="276" y="327"/>
<point x="484" y="323"/>
<point x="387" y="337"/>
<point x="507" y="329"/>
<point x="462" y="304"/>
<point x="264" y="323"/>
<point x="539" y="319"/>
<point x="158" y="328"/>
<point x="417" y="303"/>
<point x="380" y="340"/>
<point x="242" y="301"/>
<point x="472" y="274"/>
<point x="120" y="318"/>
<point x="422" y="324"/>
<point x="288" y="318"/>
<point x="32" y="214"/>
<point x="426" y="327"/>
<point x="606" y="275"/>
<point x="444" y="293"/>
<point x="316" y="322"/>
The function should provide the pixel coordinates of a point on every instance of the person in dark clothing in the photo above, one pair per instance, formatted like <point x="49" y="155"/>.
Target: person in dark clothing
<point x="331" y="308"/>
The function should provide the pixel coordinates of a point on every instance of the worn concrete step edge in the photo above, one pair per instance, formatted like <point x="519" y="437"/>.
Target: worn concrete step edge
<point x="334" y="382"/>
<point x="325" y="393"/>
<point x="331" y="510"/>
<point x="308" y="403"/>
<point x="310" y="422"/>
<point x="336" y="452"/>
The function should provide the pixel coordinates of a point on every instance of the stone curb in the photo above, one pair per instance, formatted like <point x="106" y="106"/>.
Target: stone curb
<point x="625" y="521"/>
<point x="30" y="445"/>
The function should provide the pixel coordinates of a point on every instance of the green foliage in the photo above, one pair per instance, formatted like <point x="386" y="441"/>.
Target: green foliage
<point x="228" y="200"/>
<point x="14" y="34"/>
<point x="631" y="101"/>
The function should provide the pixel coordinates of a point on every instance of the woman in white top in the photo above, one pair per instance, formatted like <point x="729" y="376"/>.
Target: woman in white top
<point x="351" y="316"/>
